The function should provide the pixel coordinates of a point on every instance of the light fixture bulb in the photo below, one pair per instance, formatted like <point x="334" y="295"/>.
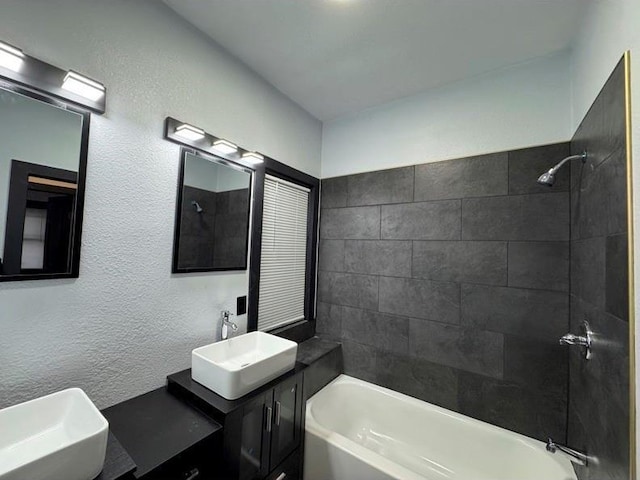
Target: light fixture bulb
<point x="253" y="158"/>
<point x="83" y="86"/>
<point x="223" y="146"/>
<point x="189" y="132"/>
<point x="11" y="57"/>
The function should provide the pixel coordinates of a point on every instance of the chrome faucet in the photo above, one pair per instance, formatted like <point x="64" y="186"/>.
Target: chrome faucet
<point x="227" y="324"/>
<point x="575" y="456"/>
<point x="585" y="340"/>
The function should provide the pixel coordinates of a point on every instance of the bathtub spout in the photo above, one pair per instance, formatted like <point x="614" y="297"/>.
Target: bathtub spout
<point x="576" y="456"/>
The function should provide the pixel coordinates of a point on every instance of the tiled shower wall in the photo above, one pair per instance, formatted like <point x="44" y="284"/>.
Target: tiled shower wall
<point x="449" y="282"/>
<point x="599" y="388"/>
<point x="216" y="237"/>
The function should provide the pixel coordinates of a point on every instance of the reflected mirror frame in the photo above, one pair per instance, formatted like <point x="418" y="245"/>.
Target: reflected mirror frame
<point x="76" y="236"/>
<point x="184" y="151"/>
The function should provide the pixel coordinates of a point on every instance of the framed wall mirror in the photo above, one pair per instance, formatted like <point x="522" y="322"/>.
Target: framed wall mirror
<point x="43" y="157"/>
<point x="212" y="214"/>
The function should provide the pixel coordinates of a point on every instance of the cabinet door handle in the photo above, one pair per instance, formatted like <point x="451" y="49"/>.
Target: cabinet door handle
<point x="269" y="418"/>
<point x="277" y="416"/>
<point x="282" y="476"/>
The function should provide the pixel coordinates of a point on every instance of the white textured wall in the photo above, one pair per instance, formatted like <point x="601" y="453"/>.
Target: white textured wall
<point x="611" y="28"/>
<point x="127" y="322"/>
<point x="522" y="106"/>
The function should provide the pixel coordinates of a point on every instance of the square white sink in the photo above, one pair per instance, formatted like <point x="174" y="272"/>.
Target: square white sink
<point x="62" y="436"/>
<point x="232" y="368"/>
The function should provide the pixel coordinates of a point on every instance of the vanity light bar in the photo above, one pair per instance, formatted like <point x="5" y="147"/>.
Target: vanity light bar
<point x="11" y="57"/>
<point x="83" y="86"/>
<point x="253" y="157"/>
<point x="189" y="132"/>
<point x="223" y="146"/>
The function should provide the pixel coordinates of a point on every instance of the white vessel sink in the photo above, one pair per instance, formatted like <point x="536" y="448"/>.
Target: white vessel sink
<point x="61" y="436"/>
<point x="232" y="368"/>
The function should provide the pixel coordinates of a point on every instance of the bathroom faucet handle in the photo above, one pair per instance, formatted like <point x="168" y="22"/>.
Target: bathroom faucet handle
<point x="585" y="341"/>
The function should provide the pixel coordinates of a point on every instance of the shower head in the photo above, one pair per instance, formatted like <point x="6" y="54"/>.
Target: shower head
<point x="197" y="206"/>
<point x="548" y="178"/>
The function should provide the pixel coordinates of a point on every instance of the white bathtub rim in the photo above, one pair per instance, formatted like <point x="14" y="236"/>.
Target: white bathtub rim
<point x="388" y="466"/>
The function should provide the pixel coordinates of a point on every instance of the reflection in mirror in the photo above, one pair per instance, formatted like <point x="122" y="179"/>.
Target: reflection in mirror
<point x="42" y="151"/>
<point x="212" y="227"/>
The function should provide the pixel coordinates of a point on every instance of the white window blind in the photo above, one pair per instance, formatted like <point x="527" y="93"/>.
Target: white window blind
<point x="283" y="263"/>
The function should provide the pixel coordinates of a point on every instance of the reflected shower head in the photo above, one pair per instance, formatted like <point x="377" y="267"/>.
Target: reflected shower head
<point x="197" y="206"/>
<point x="548" y="178"/>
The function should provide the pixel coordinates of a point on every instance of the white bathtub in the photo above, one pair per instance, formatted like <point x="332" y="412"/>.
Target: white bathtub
<point x="359" y="431"/>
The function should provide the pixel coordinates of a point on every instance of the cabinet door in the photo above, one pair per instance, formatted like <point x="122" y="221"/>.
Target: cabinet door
<point x="255" y="433"/>
<point x="287" y="409"/>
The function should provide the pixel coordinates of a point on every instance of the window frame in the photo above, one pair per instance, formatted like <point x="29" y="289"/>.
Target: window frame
<point x="301" y="329"/>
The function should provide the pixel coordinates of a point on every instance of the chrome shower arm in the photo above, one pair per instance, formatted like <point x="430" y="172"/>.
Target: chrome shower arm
<point x="582" y="156"/>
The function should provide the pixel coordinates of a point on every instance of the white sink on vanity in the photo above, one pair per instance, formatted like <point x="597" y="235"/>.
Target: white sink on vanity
<point x="62" y="436"/>
<point x="235" y="367"/>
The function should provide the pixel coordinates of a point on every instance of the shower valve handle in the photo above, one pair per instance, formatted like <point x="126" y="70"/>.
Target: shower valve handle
<point x="585" y="340"/>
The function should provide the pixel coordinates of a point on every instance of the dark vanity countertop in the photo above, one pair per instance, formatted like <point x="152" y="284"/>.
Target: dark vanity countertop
<point x="182" y="385"/>
<point x="118" y="465"/>
<point x="315" y="348"/>
<point x="156" y="427"/>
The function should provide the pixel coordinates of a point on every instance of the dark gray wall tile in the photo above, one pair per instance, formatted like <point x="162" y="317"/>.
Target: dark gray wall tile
<point x="420" y="299"/>
<point x="463" y="348"/>
<point x="418" y="378"/>
<point x="602" y="131"/>
<point x="588" y="270"/>
<point x="611" y="101"/>
<point x="449" y="261"/>
<point x="599" y="199"/>
<point x="379" y="257"/>
<point x="520" y="217"/>
<point x="535" y="413"/>
<point x="521" y="312"/>
<point x="385" y="186"/>
<point x="536" y="364"/>
<point x="360" y="361"/>
<point x="467" y="177"/>
<point x="617" y="276"/>
<point x="422" y="221"/>
<point x="380" y="330"/>
<point x="334" y="192"/>
<point x="526" y="165"/>
<point x="348" y="289"/>
<point x="350" y="223"/>
<point x="329" y="320"/>
<point x="331" y="255"/>
<point x="543" y="265"/>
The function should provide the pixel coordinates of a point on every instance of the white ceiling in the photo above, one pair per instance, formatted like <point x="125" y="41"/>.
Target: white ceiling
<point x="335" y="57"/>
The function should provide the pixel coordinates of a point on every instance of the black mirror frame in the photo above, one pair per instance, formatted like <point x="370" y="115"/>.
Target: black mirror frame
<point x="76" y="237"/>
<point x="176" y="236"/>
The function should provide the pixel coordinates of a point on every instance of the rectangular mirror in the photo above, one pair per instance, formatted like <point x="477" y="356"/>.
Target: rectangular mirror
<point x="212" y="215"/>
<point x="43" y="154"/>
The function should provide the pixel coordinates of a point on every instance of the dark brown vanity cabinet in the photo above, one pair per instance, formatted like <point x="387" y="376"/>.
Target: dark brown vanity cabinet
<point x="262" y="433"/>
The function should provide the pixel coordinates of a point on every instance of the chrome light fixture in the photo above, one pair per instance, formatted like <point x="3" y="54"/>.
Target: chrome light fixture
<point x="83" y="86"/>
<point x="189" y="132"/>
<point x="225" y="147"/>
<point x="11" y="57"/>
<point x="253" y="158"/>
